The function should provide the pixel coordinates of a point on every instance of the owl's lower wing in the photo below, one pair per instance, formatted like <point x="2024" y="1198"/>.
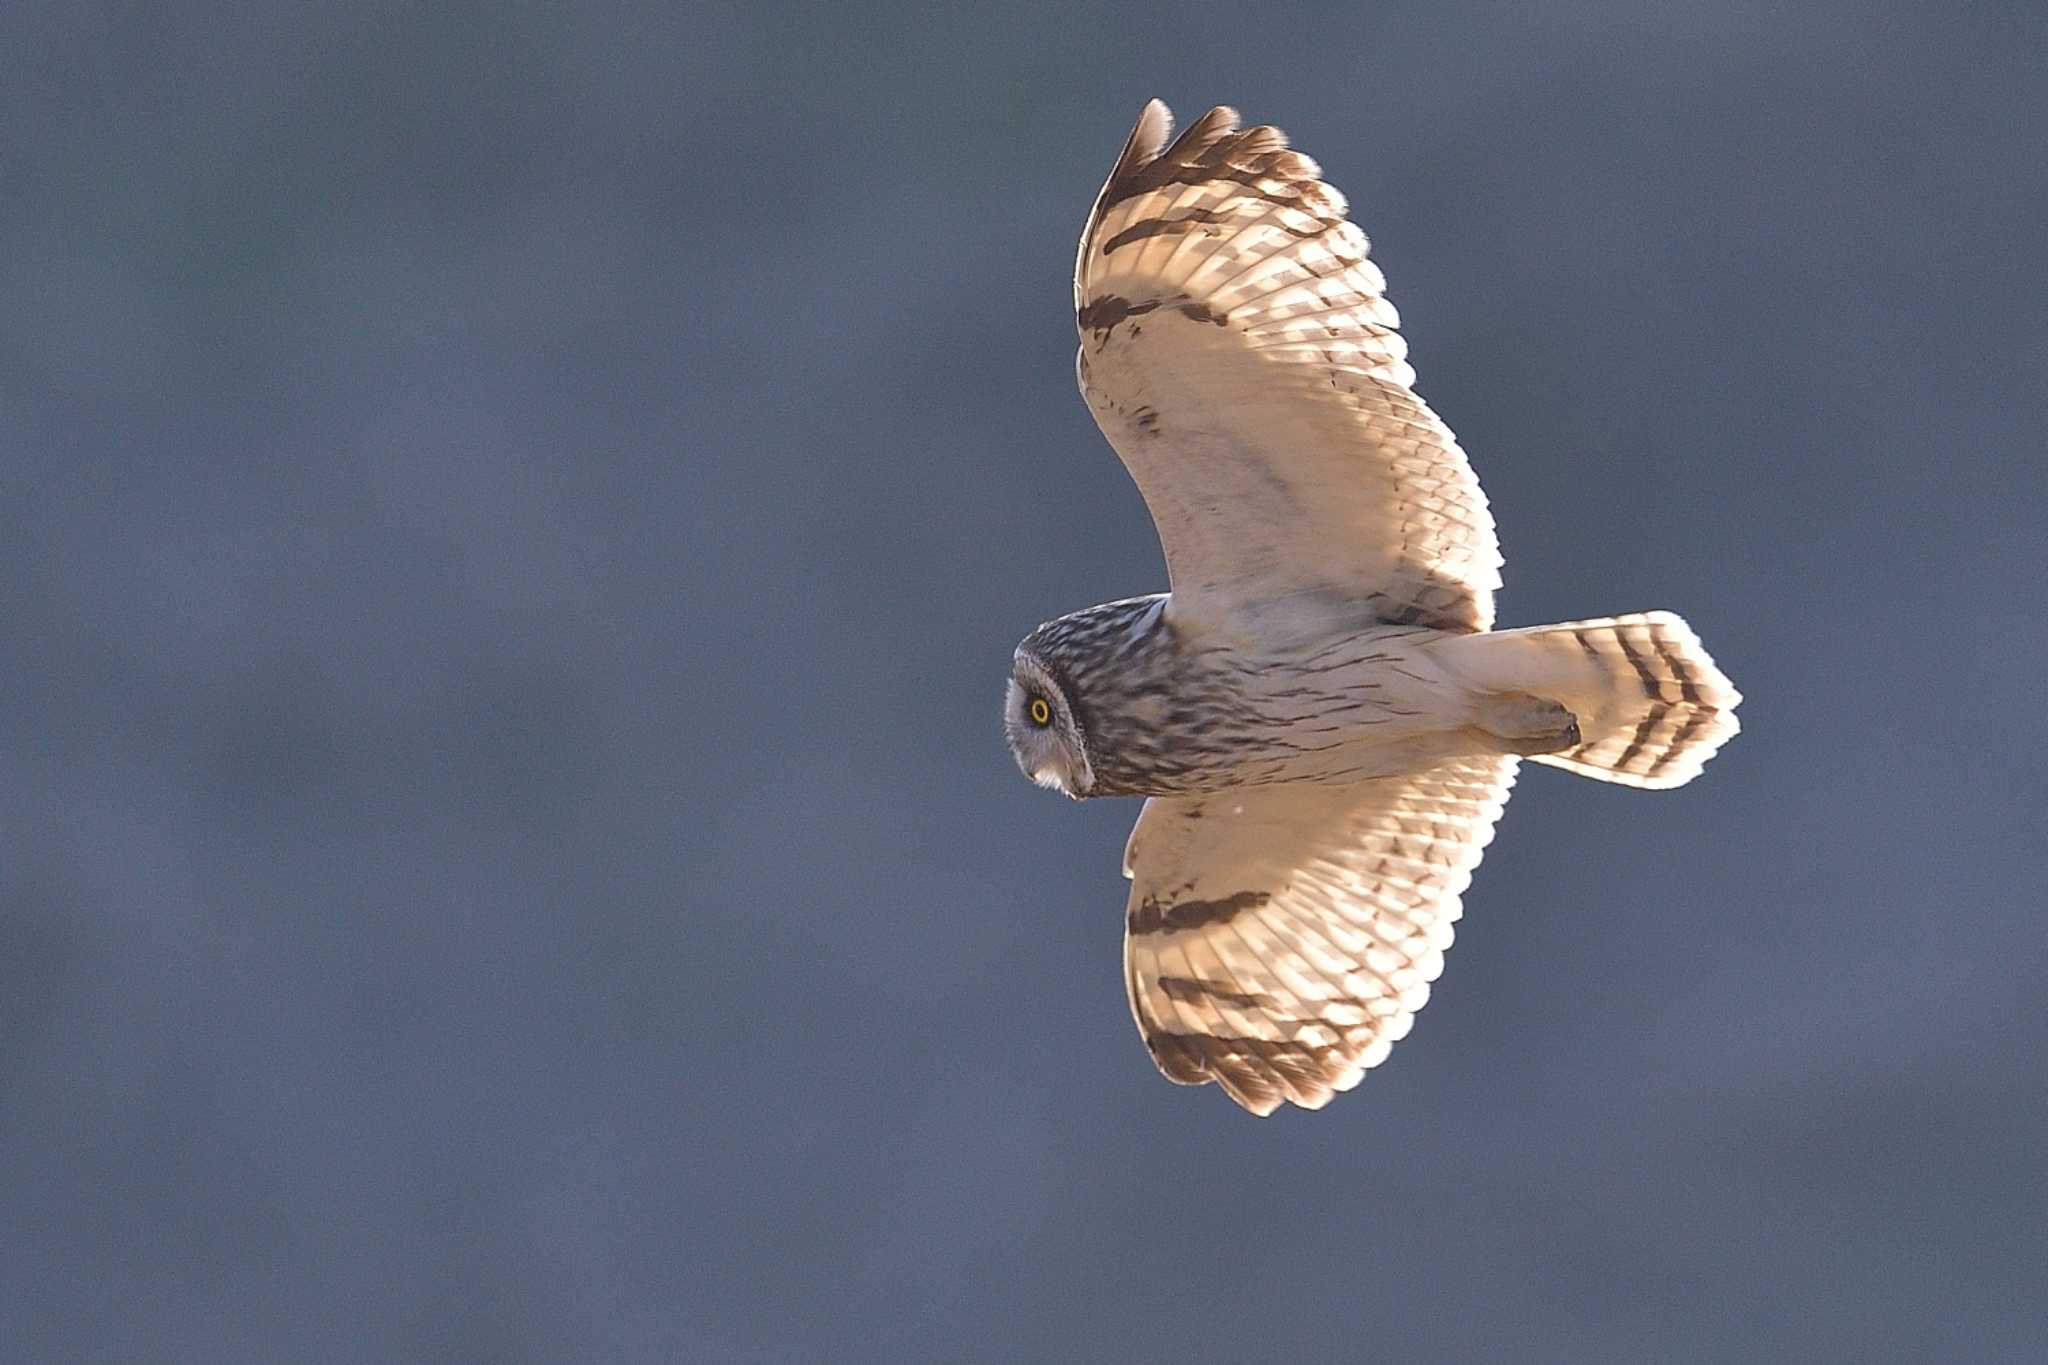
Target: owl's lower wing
<point x="1280" y="939"/>
<point x="1237" y="351"/>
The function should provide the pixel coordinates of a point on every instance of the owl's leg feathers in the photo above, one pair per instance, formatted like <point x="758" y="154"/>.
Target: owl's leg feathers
<point x="1526" y="725"/>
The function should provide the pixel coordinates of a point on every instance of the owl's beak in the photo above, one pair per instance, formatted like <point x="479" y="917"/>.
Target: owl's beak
<point x="1051" y="776"/>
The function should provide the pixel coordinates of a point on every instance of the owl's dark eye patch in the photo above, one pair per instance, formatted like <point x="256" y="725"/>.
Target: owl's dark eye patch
<point x="1040" y="712"/>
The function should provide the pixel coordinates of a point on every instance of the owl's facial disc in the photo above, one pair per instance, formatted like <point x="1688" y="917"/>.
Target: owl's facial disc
<point x="1044" y="737"/>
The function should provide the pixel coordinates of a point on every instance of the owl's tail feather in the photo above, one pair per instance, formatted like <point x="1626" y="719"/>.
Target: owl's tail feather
<point x="1651" y="706"/>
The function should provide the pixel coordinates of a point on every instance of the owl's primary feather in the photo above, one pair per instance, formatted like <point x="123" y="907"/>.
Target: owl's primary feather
<point x="1320" y="710"/>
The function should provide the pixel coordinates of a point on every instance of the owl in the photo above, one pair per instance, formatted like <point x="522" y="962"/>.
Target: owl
<point x="1320" y="717"/>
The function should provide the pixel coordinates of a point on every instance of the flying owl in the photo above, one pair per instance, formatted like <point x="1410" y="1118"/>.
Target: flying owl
<point x="1320" y="715"/>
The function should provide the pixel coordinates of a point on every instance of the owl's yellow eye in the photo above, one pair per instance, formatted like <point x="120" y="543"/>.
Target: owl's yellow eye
<point x="1041" y="712"/>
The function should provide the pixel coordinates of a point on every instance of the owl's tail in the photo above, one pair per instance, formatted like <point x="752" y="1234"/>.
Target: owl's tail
<point x="1651" y="706"/>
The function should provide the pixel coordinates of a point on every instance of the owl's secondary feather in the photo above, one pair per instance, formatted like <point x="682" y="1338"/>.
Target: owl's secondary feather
<point x="1237" y="350"/>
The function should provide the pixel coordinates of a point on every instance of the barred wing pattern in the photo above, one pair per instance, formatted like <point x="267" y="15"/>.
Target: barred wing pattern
<point x="1237" y="351"/>
<point x="1280" y="939"/>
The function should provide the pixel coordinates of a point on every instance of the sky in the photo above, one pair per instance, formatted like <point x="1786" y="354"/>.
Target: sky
<point x="514" y="520"/>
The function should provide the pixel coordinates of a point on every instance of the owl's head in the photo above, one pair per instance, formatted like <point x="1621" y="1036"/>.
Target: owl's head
<point x="1044" y="732"/>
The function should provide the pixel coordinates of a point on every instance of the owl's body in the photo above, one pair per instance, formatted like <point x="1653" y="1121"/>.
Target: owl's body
<point x="1324" y="721"/>
<point x="1179" y="711"/>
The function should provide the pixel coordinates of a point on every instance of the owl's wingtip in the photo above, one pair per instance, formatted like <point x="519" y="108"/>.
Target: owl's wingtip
<point x="1150" y="134"/>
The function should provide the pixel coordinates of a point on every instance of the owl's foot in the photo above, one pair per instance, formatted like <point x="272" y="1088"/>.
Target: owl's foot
<point x="1526" y="725"/>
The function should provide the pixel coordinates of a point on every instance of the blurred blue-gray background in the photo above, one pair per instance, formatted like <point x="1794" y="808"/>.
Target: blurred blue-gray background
<point x="513" y="520"/>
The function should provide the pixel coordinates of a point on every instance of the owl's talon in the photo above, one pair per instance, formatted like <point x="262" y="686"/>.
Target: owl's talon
<point x="1528" y="725"/>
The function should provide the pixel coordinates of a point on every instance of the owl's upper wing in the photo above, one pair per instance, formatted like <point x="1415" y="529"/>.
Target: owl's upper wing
<point x="1280" y="939"/>
<point x="1237" y="351"/>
